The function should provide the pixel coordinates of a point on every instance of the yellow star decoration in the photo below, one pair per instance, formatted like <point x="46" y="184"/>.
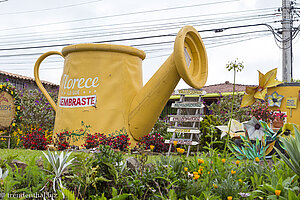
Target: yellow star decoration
<point x="260" y="91"/>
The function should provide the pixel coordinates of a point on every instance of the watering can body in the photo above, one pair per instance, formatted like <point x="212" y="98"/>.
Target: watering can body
<point x="101" y="89"/>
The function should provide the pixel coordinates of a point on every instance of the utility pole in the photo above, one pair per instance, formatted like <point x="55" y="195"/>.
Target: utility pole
<point x="287" y="24"/>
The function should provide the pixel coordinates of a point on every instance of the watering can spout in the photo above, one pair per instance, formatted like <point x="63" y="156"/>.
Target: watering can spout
<point x="188" y="61"/>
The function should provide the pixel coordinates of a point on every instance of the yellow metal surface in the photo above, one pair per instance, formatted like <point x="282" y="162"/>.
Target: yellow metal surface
<point x="102" y="86"/>
<point x="293" y="114"/>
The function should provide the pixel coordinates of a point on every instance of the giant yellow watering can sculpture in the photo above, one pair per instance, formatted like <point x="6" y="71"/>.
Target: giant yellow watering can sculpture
<point x="102" y="86"/>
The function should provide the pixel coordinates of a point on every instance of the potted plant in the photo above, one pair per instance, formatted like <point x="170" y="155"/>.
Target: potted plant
<point x="279" y="119"/>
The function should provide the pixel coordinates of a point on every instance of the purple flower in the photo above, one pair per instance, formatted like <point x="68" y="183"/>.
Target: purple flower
<point x="244" y="194"/>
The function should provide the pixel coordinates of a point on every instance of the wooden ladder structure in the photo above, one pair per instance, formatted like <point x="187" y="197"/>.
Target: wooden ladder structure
<point x="189" y="134"/>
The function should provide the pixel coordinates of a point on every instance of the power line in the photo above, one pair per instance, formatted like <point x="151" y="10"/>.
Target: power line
<point x="153" y="43"/>
<point x="124" y="14"/>
<point x="137" y="22"/>
<point x="133" y="31"/>
<point x="46" y="9"/>
<point x="127" y="39"/>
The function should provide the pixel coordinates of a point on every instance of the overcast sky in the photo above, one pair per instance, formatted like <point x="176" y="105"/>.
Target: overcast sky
<point x="29" y="27"/>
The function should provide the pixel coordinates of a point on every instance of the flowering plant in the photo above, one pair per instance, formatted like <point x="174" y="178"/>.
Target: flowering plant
<point x="91" y="141"/>
<point x="120" y="141"/>
<point x="103" y="139"/>
<point x="62" y="140"/>
<point x="261" y="111"/>
<point x="117" y="140"/>
<point x="279" y="115"/>
<point x="35" y="140"/>
<point x="154" y="139"/>
<point x="36" y="109"/>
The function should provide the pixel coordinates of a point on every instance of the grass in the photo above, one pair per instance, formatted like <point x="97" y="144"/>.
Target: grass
<point x="26" y="155"/>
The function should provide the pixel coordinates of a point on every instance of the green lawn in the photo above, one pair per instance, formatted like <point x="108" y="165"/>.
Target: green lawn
<point x="26" y="155"/>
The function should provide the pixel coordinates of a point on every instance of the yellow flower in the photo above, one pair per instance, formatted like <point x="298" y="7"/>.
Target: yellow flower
<point x="240" y="180"/>
<point x="18" y="107"/>
<point x="257" y="159"/>
<point x="151" y="147"/>
<point x="237" y="162"/>
<point x="200" y="170"/>
<point x="185" y="169"/>
<point x="223" y="160"/>
<point x="200" y="161"/>
<point x="13" y="124"/>
<point x="277" y="192"/>
<point x="208" y="172"/>
<point x="196" y="177"/>
<point x="215" y="186"/>
<point x="195" y="173"/>
<point x="229" y="198"/>
<point x="175" y="143"/>
<point x="12" y="92"/>
<point x="1" y="86"/>
<point x="178" y="150"/>
<point x="181" y="151"/>
<point x="233" y="172"/>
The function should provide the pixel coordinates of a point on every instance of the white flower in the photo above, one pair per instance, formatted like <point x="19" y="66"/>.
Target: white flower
<point x="254" y="129"/>
<point x="236" y="129"/>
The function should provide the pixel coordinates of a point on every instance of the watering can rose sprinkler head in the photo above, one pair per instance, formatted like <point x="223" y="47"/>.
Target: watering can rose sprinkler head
<point x="111" y="77"/>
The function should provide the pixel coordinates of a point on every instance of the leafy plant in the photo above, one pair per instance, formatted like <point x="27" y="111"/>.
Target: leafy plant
<point x="29" y="180"/>
<point x="59" y="164"/>
<point x="107" y="155"/>
<point x="85" y="175"/>
<point x="160" y="127"/>
<point x="250" y="150"/>
<point x="222" y="109"/>
<point x="292" y="147"/>
<point x="285" y="188"/>
<point x="209" y="133"/>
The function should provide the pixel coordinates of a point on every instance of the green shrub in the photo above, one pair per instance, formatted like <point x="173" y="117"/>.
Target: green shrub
<point x="222" y="109"/>
<point x="209" y="133"/>
<point x="37" y="111"/>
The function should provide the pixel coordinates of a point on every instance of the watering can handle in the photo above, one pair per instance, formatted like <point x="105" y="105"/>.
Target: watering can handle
<point x="37" y="77"/>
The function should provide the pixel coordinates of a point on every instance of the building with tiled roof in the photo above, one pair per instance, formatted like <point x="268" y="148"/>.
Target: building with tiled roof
<point x="24" y="82"/>
<point x="213" y="93"/>
<point x="224" y="87"/>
